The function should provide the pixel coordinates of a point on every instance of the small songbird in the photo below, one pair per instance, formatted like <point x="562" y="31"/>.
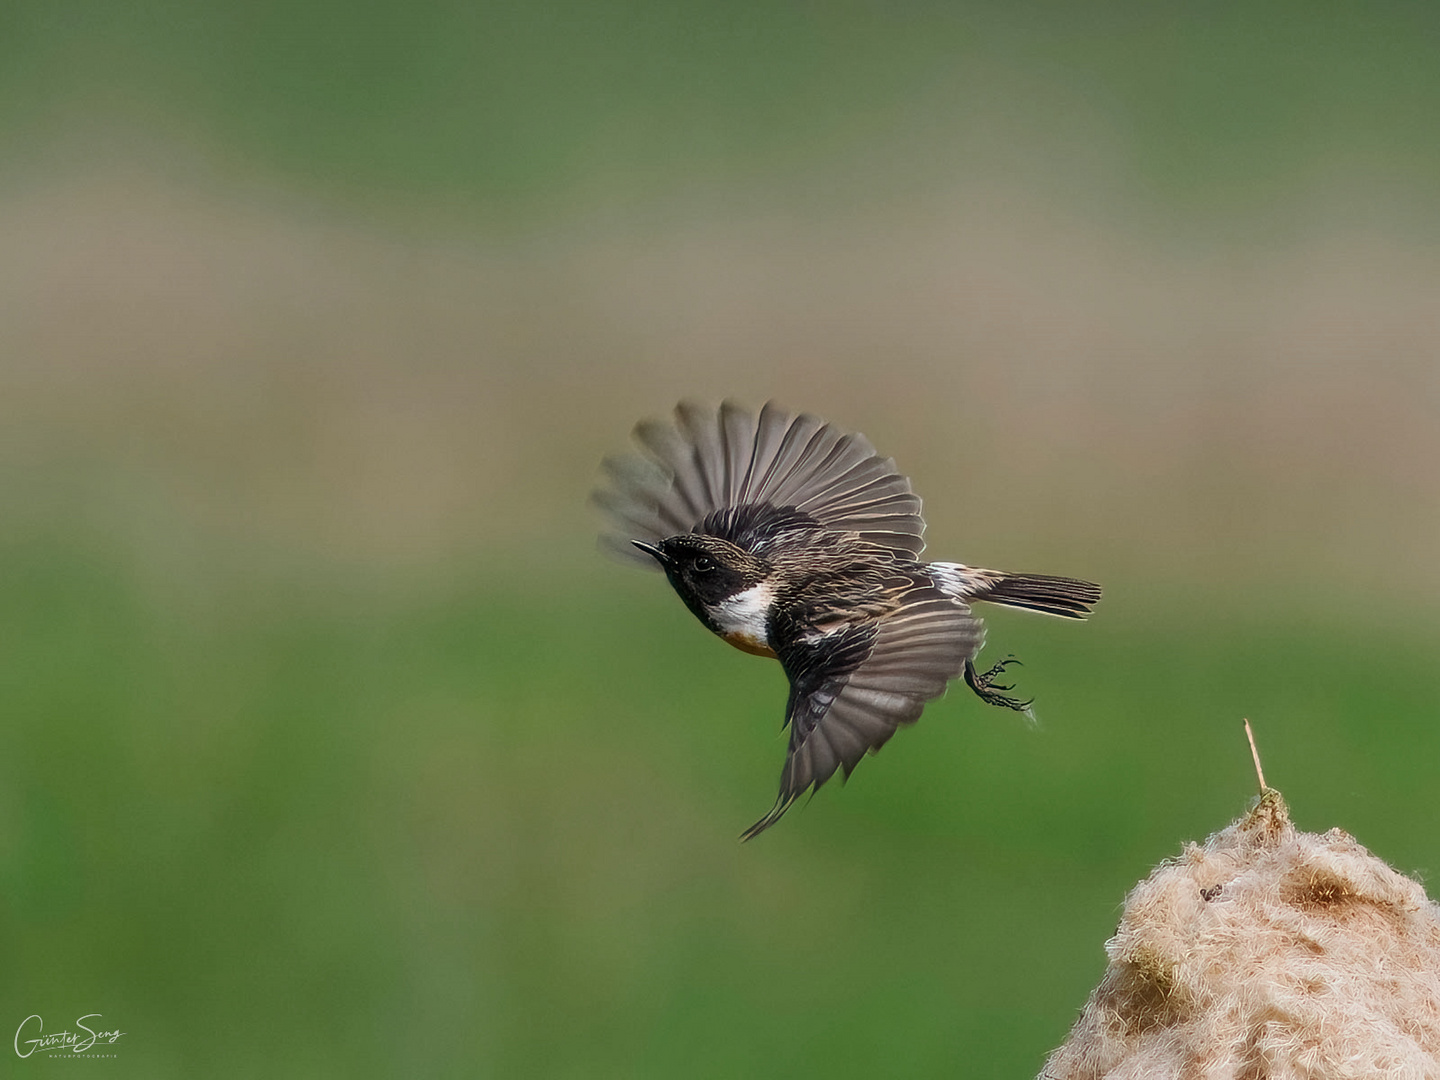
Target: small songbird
<point x="792" y="539"/>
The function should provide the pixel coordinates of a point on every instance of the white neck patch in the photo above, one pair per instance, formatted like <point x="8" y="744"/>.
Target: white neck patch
<point x="744" y="614"/>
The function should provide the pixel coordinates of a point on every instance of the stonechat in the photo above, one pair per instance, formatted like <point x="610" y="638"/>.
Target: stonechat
<point x="792" y="539"/>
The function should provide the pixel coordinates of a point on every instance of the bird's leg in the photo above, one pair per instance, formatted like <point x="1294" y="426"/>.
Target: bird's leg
<point x="991" y="692"/>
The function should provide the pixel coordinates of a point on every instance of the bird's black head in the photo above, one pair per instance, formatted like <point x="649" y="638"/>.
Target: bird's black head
<point x="706" y="570"/>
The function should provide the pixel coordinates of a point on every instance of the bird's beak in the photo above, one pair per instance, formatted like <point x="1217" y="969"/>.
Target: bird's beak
<point x="652" y="550"/>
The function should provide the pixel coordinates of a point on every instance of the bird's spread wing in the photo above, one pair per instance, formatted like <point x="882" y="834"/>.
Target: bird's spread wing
<point x="851" y="689"/>
<point x="710" y="460"/>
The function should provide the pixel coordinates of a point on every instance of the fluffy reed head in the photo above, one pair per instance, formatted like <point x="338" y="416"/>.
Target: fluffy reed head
<point x="1266" y="953"/>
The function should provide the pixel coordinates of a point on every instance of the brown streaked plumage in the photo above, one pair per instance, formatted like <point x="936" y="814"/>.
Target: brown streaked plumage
<point x="790" y="538"/>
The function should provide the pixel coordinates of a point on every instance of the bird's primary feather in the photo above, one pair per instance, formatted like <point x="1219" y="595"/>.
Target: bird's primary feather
<point x="710" y="460"/>
<point x="848" y="697"/>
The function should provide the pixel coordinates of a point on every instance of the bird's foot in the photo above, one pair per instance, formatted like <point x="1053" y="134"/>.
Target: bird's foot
<point x="991" y="692"/>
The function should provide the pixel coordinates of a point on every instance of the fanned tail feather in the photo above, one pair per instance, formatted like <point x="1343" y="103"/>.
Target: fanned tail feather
<point x="1070" y="598"/>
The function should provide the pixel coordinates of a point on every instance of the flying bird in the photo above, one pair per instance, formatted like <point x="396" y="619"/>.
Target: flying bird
<point x="793" y="539"/>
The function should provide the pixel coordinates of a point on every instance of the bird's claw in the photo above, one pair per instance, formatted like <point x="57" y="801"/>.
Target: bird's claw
<point x="991" y="692"/>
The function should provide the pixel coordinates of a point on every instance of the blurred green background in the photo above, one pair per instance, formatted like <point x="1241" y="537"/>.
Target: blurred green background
<point x="332" y="747"/>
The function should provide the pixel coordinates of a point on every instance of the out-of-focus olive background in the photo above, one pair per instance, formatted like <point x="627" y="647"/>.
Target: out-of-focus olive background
<point x="331" y="747"/>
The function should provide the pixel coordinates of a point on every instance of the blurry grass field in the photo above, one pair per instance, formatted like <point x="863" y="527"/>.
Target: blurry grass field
<point x="521" y="113"/>
<point x="488" y="826"/>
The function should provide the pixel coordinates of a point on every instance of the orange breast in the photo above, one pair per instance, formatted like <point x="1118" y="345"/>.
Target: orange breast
<point x="748" y="643"/>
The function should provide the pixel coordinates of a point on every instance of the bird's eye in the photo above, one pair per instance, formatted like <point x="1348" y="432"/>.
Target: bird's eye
<point x="703" y="564"/>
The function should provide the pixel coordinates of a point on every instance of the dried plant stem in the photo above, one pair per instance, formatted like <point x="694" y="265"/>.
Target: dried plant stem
<point x="1254" y="753"/>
